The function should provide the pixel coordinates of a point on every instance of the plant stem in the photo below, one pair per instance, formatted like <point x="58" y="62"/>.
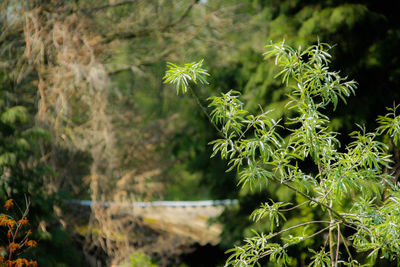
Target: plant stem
<point x="205" y="112"/>
<point x="291" y="244"/>
<point x="337" y="244"/>
<point x="345" y="245"/>
<point x="312" y="199"/>
<point x="295" y="226"/>
<point x="331" y="244"/>
<point x="294" y="207"/>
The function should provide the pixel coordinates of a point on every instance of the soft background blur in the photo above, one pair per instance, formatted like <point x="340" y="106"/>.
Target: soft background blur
<point x="84" y="115"/>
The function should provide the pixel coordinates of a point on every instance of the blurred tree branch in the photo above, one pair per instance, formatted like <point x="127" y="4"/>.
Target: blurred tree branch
<point x="98" y="8"/>
<point x="147" y="32"/>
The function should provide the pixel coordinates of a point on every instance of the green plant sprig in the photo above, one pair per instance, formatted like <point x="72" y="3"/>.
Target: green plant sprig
<point x="252" y="145"/>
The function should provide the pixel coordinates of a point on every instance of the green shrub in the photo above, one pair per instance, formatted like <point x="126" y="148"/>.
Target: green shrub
<point x="351" y="186"/>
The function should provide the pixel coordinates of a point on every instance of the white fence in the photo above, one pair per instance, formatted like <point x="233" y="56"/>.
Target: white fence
<point x="183" y="204"/>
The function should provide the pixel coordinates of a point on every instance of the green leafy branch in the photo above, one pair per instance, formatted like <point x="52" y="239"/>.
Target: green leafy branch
<point x="253" y="145"/>
<point x="390" y="123"/>
<point x="182" y="76"/>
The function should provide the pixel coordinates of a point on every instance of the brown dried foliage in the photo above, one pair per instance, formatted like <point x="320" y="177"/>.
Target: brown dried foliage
<point x="66" y="52"/>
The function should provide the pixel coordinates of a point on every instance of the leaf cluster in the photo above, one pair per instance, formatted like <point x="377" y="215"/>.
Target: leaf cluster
<point x="253" y="145"/>
<point x="182" y="76"/>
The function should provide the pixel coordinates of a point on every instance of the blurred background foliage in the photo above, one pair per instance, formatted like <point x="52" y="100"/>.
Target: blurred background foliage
<point x="84" y="113"/>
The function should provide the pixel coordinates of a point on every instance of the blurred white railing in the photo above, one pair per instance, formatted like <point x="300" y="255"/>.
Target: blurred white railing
<point x="183" y="204"/>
